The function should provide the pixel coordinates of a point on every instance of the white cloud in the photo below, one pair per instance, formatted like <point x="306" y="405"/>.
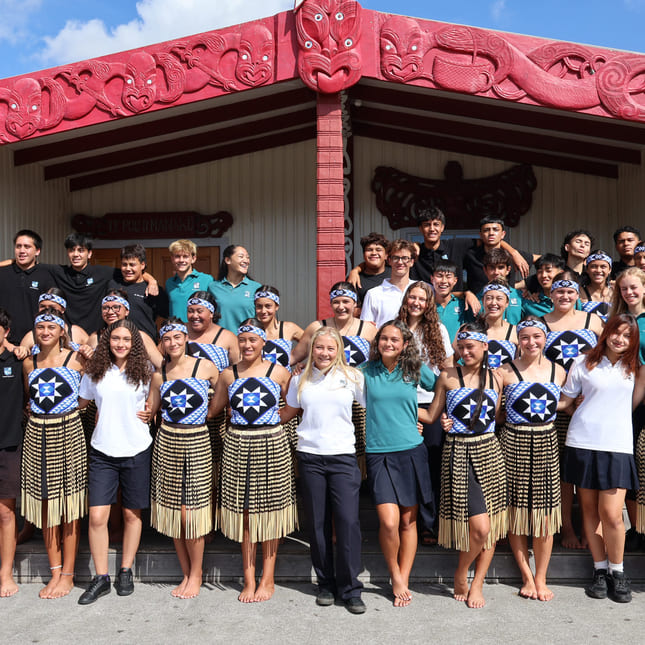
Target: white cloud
<point x="157" y="20"/>
<point x="497" y="9"/>
<point x="16" y="15"/>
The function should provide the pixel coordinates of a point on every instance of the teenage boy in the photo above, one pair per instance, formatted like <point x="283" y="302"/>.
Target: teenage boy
<point x="492" y="232"/>
<point x="497" y="264"/>
<point x="22" y="281"/>
<point x="187" y="280"/>
<point x="144" y="309"/>
<point x="547" y="266"/>
<point x="11" y="401"/>
<point x="375" y="268"/>
<point x="382" y="303"/>
<point x="451" y="308"/>
<point x="625" y="239"/>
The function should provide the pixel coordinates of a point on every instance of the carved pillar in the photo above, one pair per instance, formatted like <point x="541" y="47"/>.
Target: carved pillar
<point x="330" y="200"/>
<point x="348" y="181"/>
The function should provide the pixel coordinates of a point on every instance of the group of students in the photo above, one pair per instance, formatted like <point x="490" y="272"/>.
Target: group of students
<point x="381" y="394"/>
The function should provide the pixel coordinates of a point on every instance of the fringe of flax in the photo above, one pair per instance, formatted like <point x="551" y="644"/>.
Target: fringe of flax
<point x="199" y="521"/>
<point x="66" y="509"/>
<point x="270" y="525"/>
<point x="455" y="533"/>
<point x="640" y="463"/>
<point x="544" y="521"/>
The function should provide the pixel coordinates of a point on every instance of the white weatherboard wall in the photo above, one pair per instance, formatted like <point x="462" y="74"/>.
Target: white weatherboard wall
<point x="272" y="197"/>
<point x="562" y="201"/>
<point x="28" y="202"/>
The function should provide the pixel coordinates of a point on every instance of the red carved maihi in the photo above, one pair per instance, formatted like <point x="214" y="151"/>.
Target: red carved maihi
<point x="330" y="201"/>
<point x="328" y="35"/>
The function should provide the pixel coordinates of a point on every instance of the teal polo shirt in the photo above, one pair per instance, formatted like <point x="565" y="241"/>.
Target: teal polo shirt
<point x="179" y="291"/>
<point x="392" y="408"/>
<point x="640" y="320"/>
<point x="235" y="304"/>
<point x="512" y="313"/>
<point x="453" y="315"/>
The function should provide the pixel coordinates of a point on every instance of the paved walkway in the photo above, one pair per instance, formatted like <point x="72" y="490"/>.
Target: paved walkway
<point x="151" y="615"/>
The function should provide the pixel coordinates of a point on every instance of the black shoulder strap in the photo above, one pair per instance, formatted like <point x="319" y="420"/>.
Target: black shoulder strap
<point x="270" y="369"/>
<point x="587" y="293"/>
<point x="491" y="381"/>
<point x="323" y="323"/>
<point x="197" y="362"/>
<point x="509" y="332"/>
<point x="517" y="372"/>
<point x="460" y="376"/>
<point x="67" y="359"/>
<point x="552" y="372"/>
<point x="281" y="329"/>
<point x="588" y="321"/>
<point x="33" y="358"/>
<point x="163" y="372"/>
<point x="235" y="374"/>
<point x="546" y="324"/>
<point x="217" y="335"/>
<point x="360" y="327"/>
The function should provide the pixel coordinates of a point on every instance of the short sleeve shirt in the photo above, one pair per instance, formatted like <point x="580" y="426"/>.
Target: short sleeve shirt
<point x="179" y="291"/>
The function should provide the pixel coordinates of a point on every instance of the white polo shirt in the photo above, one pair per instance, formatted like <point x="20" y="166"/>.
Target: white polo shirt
<point x="118" y="432"/>
<point x="382" y="303"/>
<point x="603" y="421"/>
<point x="326" y="401"/>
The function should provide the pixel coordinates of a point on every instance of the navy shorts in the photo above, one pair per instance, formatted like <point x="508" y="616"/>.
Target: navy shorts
<point x="106" y="474"/>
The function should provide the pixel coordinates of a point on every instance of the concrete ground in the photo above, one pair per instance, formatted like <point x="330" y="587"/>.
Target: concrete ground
<point x="152" y="615"/>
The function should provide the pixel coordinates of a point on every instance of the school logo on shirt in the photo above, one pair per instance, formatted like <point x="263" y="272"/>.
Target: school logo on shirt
<point x="7" y="372"/>
<point x="247" y="294"/>
<point x="90" y="282"/>
<point x="34" y="284"/>
<point x="514" y="302"/>
<point x="457" y="309"/>
<point x="196" y="286"/>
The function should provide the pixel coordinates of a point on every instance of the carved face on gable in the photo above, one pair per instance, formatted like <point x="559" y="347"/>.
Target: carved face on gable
<point x="140" y="82"/>
<point x="255" y="57"/>
<point x="402" y="49"/>
<point x="25" y="108"/>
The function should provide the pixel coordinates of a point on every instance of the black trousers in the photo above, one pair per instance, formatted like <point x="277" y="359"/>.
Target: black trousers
<point x="433" y="438"/>
<point x="330" y="488"/>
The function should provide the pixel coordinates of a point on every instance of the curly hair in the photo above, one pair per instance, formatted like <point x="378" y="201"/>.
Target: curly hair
<point x="432" y="349"/>
<point x="138" y="370"/>
<point x="410" y="359"/>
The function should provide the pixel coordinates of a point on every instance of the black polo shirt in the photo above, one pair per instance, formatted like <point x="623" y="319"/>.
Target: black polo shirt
<point x="453" y="250"/>
<point x="19" y="292"/>
<point x="618" y="267"/>
<point x="474" y="268"/>
<point x="84" y="290"/>
<point x="11" y="400"/>
<point x="370" y="280"/>
<point x="143" y="309"/>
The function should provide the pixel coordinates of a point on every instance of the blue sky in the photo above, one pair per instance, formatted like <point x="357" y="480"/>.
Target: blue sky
<point x="36" y="34"/>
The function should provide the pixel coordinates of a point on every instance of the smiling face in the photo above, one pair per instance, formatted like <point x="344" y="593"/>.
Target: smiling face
<point x="531" y="340"/>
<point x="431" y="230"/>
<point x="401" y="262"/>
<point x="639" y="261"/>
<point x="443" y="282"/>
<point x="250" y="346"/>
<point x="25" y="252"/>
<point x="132" y="270"/>
<point x="324" y="351"/>
<point x="471" y="351"/>
<point x="174" y="343"/>
<point x="545" y="275"/>
<point x="391" y="344"/>
<point x="343" y="308"/>
<point x="618" y="341"/>
<point x="183" y="261"/>
<point x="199" y="318"/>
<point x="598" y="271"/>
<point x="374" y="256"/>
<point x="564" y="299"/>
<point x="113" y="311"/>
<point x="47" y="334"/>
<point x="79" y="256"/>
<point x="265" y="310"/>
<point x="632" y="291"/>
<point x="240" y="261"/>
<point x="495" y="302"/>
<point x="120" y="343"/>
<point x="417" y="302"/>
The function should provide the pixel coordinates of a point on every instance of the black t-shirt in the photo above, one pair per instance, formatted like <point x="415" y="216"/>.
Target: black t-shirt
<point x="618" y="267"/>
<point x="474" y="268"/>
<point x="19" y="292"/>
<point x="11" y="400"/>
<point x="453" y="250"/>
<point x="84" y="290"/>
<point x="370" y="280"/>
<point x="143" y="309"/>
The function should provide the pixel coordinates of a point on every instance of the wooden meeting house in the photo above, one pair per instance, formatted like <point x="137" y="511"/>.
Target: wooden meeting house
<point x="297" y="134"/>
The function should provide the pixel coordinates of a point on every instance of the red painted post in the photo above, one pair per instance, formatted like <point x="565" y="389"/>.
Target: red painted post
<point x="330" y="240"/>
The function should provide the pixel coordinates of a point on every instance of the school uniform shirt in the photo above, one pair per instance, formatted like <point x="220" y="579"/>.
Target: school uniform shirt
<point x="118" y="432"/>
<point x="392" y="409"/>
<point x="425" y="396"/>
<point x="452" y="250"/>
<point x="235" y="303"/>
<point x="383" y="303"/>
<point x="179" y="291"/>
<point x="512" y="313"/>
<point x="84" y="290"/>
<point x="371" y="280"/>
<point x="19" y="292"/>
<point x="640" y="321"/>
<point x="11" y="400"/>
<point x="603" y="421"/>
<point x="326" y="401"/>
<point x="144" y="310"/>
<point x="453" y="315"/>
<point x="474" y="267"/>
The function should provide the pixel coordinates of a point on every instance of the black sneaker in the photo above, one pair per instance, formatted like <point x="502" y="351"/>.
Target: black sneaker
<point x="618" y="587"/>
<point x="598" y="588"/>
<point x="124" y="584"/>
<point x="99" y="586"/>
<point x="325" y="598"/>
<point x="355" y="605"/>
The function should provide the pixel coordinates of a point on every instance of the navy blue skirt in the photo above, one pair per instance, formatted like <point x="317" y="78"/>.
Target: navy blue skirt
<point x="401" y="478"/>
<point x="598" y="469"/>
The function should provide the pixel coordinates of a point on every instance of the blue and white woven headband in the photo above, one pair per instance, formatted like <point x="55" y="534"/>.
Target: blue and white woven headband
<point x="50" y="297"/>
<point x="531" y="323"/>
<point x="172" y="327"/>
<point x="639" y="249"/>
<point x="267" y="294"/>
<point x="50" y="318"/>
<point x="118" y="299"/>
<point x="199" y="302"/>
<point x="472" y="335"/>
<point x="601" y="257"/>
<point x="497" y="287"/>
<point x="565" y="284"/>
<point x="338" y="293"/>
<point x="252" y="329"/>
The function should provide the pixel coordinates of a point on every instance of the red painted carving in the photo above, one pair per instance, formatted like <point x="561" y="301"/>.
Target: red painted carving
<point x="328" y="35"/>
<point x="507" y="195"/>
<point x="118" y="226"/>
<point x="330" y="202"/>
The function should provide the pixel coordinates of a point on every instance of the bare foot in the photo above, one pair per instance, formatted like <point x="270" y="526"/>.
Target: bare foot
<point x="46" y="591"/>
<point x="475" y="597"/>
<point x="191" y="590"/>
<point x="178" y="590"/>
<point x="8" y="587"/>
<point x="543" y="592"/>
<point x="569" y="539"/>
<point x="461" y="588"/>
<point x="26" y="533"/>
<point x="402" y="595"/>
<point x="248" y="593"/>
<point x="528" y="590"/>
<point x="63" y="587"/>
<point x="264" y="591"/>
